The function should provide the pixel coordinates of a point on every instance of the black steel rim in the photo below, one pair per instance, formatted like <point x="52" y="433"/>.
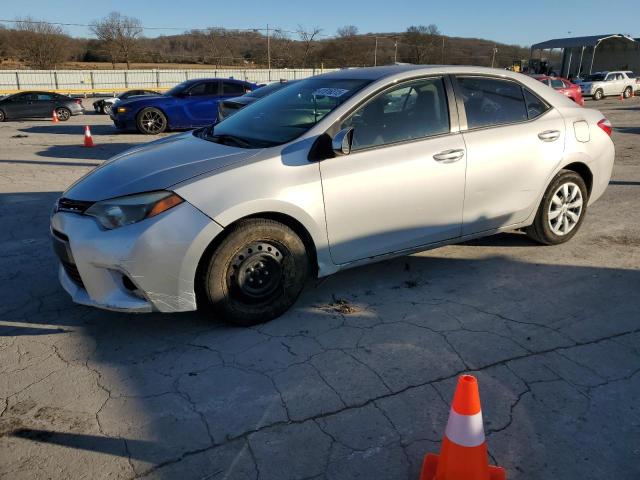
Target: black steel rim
<point x="255" y="273"/>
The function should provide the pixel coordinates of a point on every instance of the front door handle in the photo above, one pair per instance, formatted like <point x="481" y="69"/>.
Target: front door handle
<point x="549" y="135"/>
<point x="449" y="156"/>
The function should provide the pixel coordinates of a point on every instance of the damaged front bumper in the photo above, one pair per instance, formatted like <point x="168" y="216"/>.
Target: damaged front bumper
<point x="143" y="267"/>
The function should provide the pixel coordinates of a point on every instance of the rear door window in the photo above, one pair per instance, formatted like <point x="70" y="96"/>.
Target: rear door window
<point x="232" y="88"/>
<point x="491" y="101"/>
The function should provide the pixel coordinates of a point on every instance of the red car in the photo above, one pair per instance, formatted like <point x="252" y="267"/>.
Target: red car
<point x="564" y="86"/>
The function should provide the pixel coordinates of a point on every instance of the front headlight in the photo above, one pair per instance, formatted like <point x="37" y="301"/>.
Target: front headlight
<point x="117" y="212"/>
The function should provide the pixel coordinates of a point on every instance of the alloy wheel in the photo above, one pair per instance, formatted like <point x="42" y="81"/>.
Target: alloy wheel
<point x="565" y="208"/>
<point x="153" y="122"/>
<point x="63" y="114"/>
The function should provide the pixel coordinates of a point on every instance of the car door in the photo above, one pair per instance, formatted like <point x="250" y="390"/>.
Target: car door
<point x="20" y="106"/>
<point x="514" y="141"/>
<point x="402" y="185"/>
<point x="610" y="84"/>
<point x="43" y="104"/>
<point x="201" y="103"/>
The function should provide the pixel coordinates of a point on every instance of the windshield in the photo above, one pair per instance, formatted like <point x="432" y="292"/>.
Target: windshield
<point x="268" y="89"/>
<point x="596" y="77"/>
<point x="177" y="89"/>
<point x="286" y="114"/>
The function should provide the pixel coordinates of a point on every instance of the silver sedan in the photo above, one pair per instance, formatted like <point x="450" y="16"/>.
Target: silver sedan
<point x="331" y="172"/>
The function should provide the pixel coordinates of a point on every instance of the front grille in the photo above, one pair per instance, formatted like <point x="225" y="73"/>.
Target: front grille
<point x="73" y="273"/>
<point x="73" y="206"/>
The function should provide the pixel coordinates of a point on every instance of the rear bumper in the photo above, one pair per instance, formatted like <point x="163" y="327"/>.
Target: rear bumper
<point x="143" y="267"/>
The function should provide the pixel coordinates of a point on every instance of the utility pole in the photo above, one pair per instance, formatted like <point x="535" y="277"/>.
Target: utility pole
<point x="395" y="51"/>
<point x="493" y="58"/>
<point x="268" y="51"/>
<point x="442" y="49"/>
<point x="375" y="54"/>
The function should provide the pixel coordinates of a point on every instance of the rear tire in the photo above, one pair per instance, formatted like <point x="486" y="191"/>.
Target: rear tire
<point x="598" y="95"/>
<point x="2" y="116"/>
<point x="106" y="109"/>
<point x="561" y="211"/>
<point x="256" y="273"/>
<point x="63" y="114"/>
<point x="151" y="121"/>
<point x="627" y="92"/>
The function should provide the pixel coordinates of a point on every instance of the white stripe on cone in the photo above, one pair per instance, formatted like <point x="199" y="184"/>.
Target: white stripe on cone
<point x="465" y="430"/>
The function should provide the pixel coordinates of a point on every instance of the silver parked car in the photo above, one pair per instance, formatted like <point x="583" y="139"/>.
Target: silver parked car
<point x="331" y="172"/>
<point x="603" y="84"/>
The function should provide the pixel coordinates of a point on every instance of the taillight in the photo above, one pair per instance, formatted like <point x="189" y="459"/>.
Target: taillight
<point x="605" y="125"/>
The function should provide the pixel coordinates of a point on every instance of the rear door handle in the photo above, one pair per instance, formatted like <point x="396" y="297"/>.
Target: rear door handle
<point x="549" y="135"/>
<point x="449" y="156"/>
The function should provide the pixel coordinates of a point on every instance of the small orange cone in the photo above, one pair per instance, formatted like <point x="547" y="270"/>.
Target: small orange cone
<point x="88" y="139"/>
<point x="621" y="96"/>
<point x="463" y="455"/>
<point x="54" y="117"/>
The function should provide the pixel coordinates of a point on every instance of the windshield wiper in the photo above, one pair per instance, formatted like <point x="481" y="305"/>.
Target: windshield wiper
<point x="230" y="140"/>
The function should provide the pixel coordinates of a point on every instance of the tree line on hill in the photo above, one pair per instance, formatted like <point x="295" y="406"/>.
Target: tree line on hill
<point x="120" y="39"/>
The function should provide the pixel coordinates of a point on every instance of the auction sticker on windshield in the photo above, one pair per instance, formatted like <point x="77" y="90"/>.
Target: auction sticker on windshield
<point x="330" y="92"/>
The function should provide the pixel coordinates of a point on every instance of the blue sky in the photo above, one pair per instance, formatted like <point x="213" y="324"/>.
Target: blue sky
<point x="508" y="21"/>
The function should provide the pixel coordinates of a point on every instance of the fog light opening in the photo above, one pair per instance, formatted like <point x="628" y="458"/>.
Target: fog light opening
<point x="132" y="287"/>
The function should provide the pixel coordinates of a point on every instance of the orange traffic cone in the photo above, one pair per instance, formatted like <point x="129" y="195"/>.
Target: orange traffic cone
<point x="54" y="117"/>
<point x="88" y="139"/>
<point x="621" y="96"/>
<point x="463" y="455"/>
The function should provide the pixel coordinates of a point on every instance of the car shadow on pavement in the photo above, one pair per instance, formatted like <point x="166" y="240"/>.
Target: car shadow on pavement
<point x="635" y="130"/>
<point x="98" y="152"/>
<point x="71" y="129"/>
<point x="357" y="375"/>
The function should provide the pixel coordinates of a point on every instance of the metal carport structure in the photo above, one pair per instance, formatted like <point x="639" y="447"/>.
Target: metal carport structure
<point x="618" y="51"/>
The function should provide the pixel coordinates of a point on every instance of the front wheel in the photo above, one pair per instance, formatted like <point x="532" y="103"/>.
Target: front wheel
<point x="598" y="95"/>
<point x="256" y="273"/>
<point x="2" y="116"/>
<point x="561" y="211"/>
<point x="151" y="121"/>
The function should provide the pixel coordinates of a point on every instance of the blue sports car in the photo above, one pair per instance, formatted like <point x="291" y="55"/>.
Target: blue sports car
<point x="191" y="104"/>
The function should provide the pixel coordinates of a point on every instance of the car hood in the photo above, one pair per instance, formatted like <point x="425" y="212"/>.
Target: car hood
<point x="155" y="166"/>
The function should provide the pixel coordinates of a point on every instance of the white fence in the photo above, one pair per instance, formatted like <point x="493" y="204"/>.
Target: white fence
<point x="95" y="81"/>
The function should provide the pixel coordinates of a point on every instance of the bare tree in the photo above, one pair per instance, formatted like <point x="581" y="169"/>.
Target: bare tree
<point x="40" y="44"/>
<point x="347" y="31"/>
<point x="307" y="38"/>
<point x="216" y="45"/>
<point x="119" y="35"/>
<point x="421" y="41"/>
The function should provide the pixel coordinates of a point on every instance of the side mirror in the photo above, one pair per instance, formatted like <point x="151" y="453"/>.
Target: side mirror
<point x="341" y="143"/>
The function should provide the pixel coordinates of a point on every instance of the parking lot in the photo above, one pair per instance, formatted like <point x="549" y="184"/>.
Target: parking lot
<point x="355" y="381"/>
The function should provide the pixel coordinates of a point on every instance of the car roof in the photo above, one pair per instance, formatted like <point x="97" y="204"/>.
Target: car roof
<point x="408" y="71"/>
<point x="194" y="80"/>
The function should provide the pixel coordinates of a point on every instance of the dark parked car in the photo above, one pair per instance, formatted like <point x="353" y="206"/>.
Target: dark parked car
<point x="104" y="104"/>
<point x="231" y="106"/>
<point x="191" y="104"/>
<point x="39" y="104"/>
